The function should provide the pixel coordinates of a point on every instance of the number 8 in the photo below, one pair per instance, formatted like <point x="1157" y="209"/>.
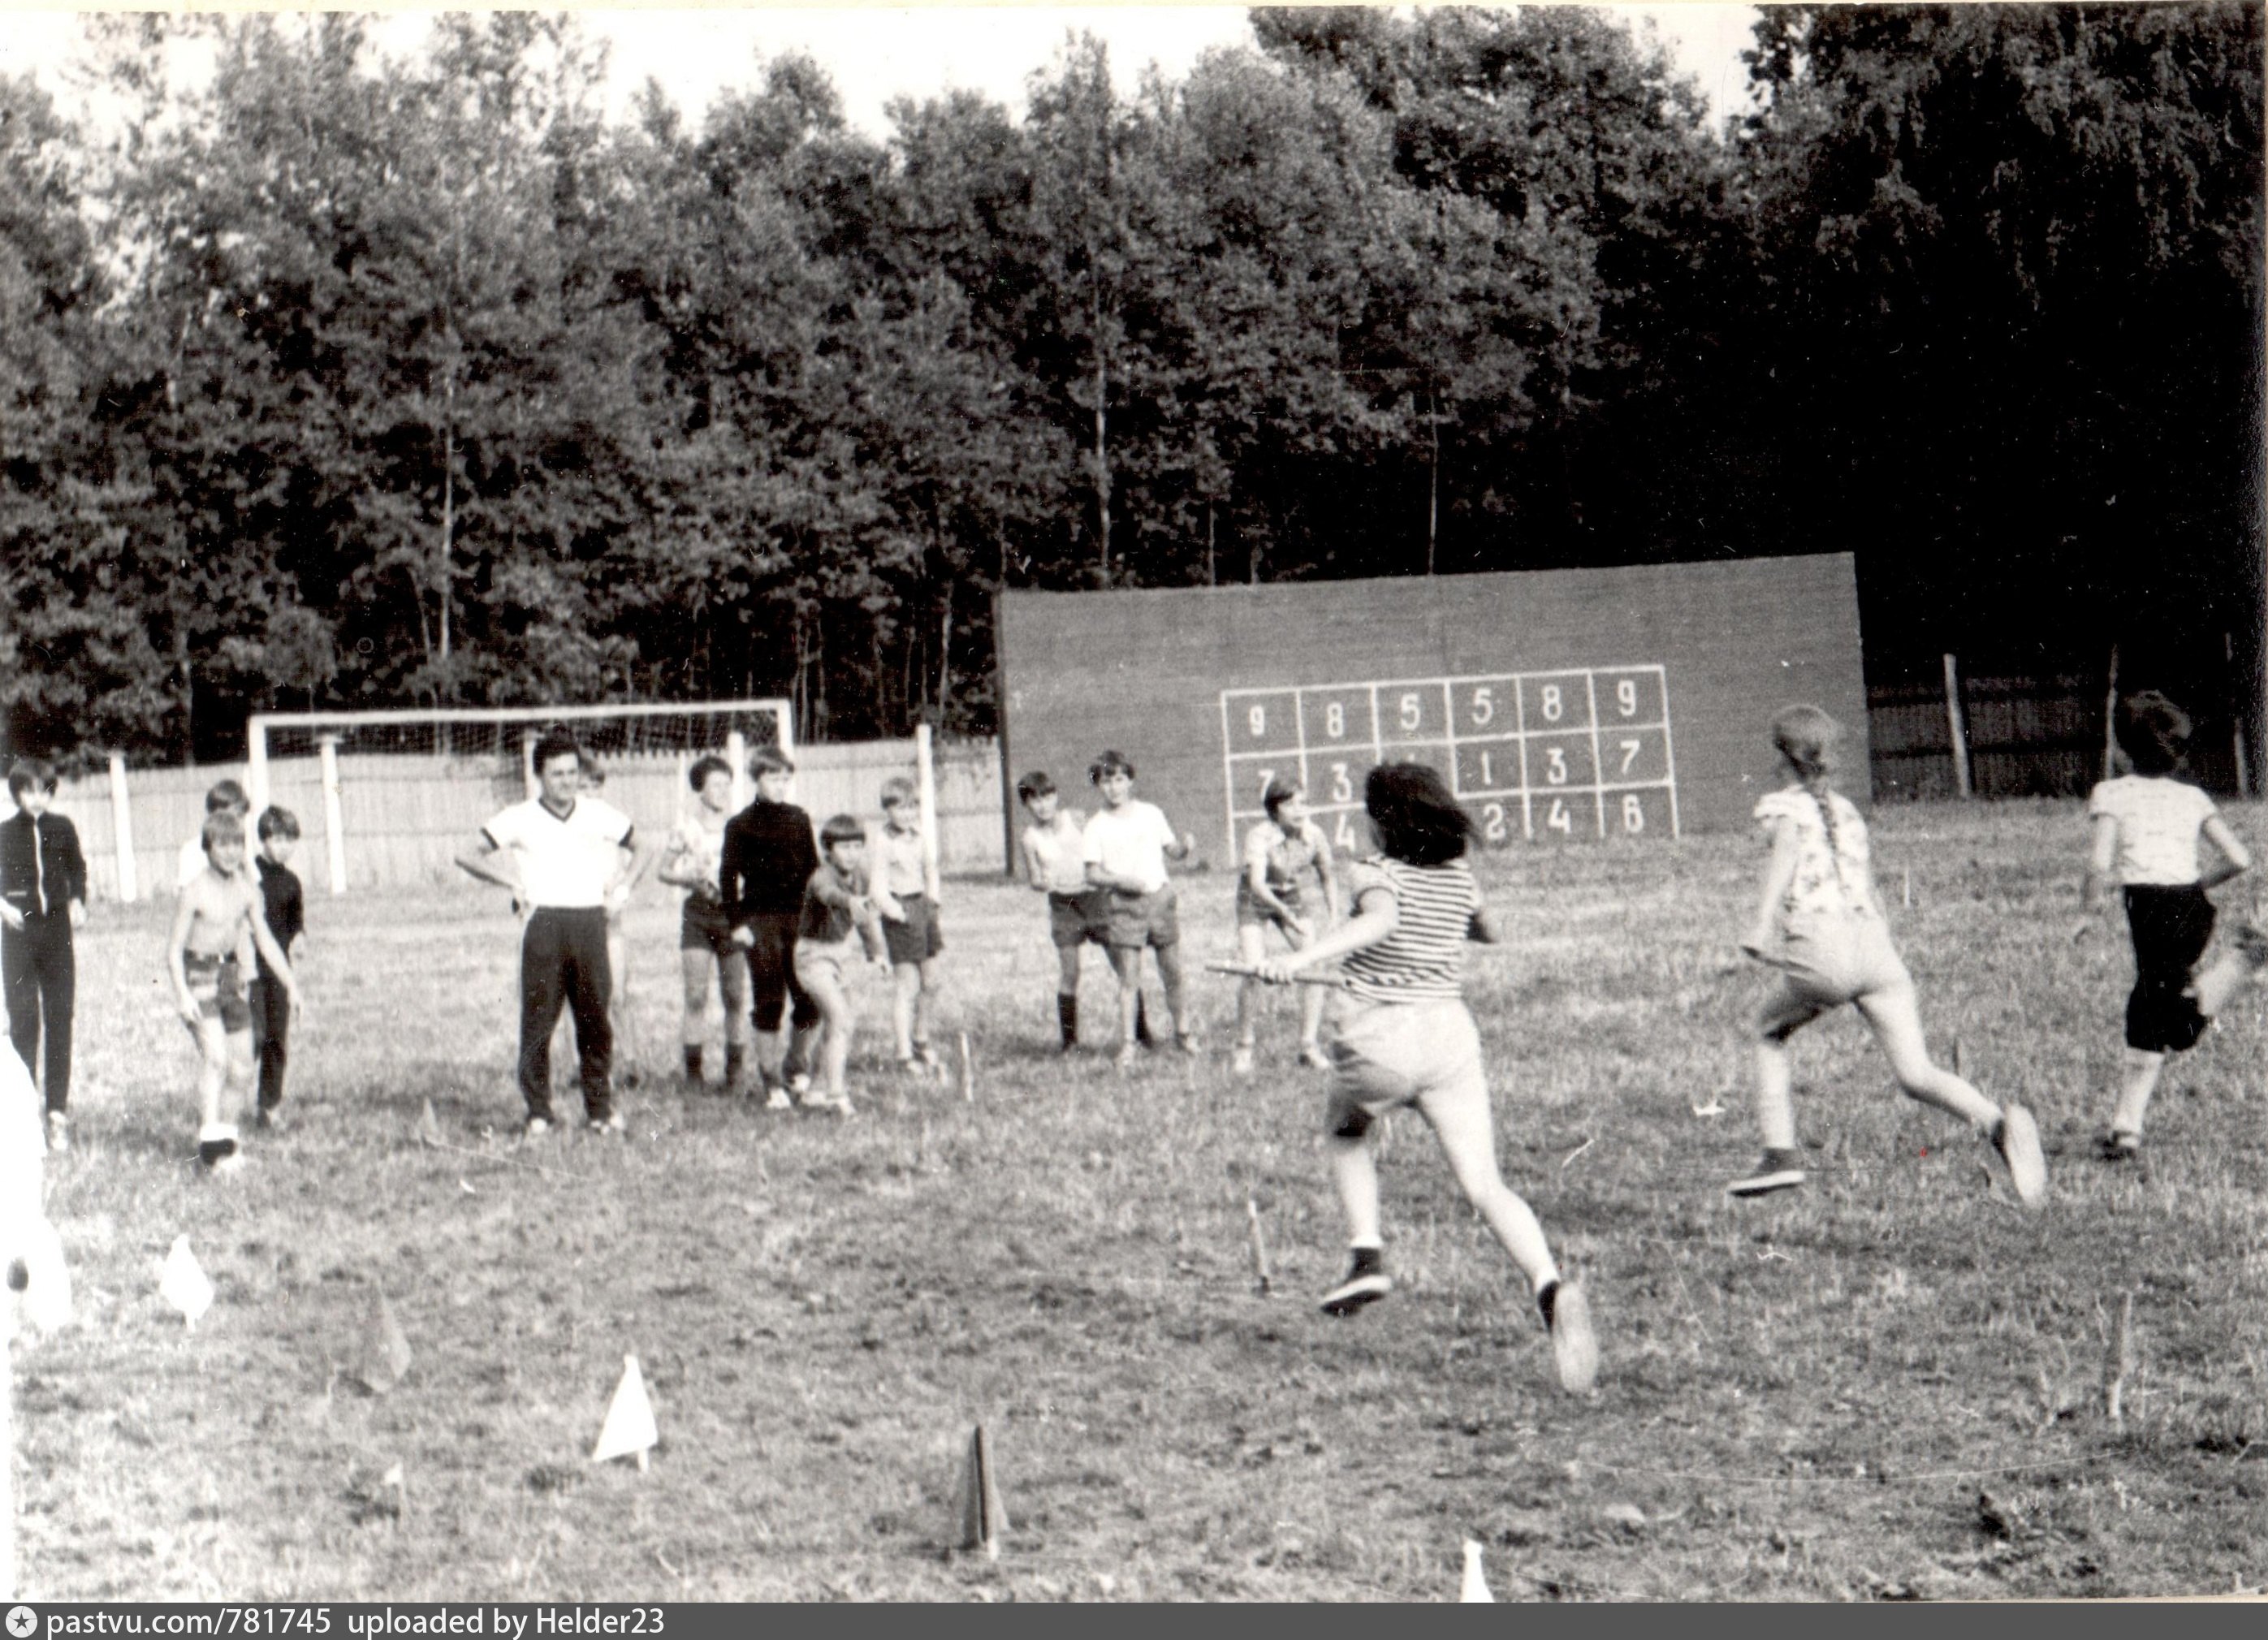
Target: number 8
<point x="1258" y="718"/>
<point x="1551" y="702"/>
<point x="1335" y="720"/>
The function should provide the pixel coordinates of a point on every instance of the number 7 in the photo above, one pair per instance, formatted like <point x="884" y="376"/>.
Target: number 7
<point x="1630" y="753"/>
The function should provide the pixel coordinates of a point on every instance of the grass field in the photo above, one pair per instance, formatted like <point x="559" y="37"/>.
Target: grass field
<point x="1889" y="1386"/>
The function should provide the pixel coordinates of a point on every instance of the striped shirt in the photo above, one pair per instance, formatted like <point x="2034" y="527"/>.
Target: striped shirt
<point x="1423" y="958"/>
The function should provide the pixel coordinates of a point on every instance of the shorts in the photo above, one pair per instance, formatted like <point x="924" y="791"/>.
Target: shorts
<point x="2172" y="924"/>
<point x="704" y="927"/>
<point x="918" y="937"/>
<point x="1081" y="919"/>
<point x="217" y="984"/>
<point x="1386" y="1054"/>
<point x="1140" y="920"/>
<point x="1251" y="914"/>
<point x="824" y="961"/>
<point x="1823" y="965"/>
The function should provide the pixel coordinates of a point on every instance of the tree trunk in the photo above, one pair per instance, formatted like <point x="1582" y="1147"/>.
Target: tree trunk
<point x="1432" y="479"/>
<point x="945" y="655"/>
<point x="1101" y="447"/>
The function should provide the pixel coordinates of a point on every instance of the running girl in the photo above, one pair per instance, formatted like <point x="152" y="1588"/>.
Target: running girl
<point x="693" y="862"/>
<point x="1819" y="923"/>
<point x="1402" y="1035"/>
<point x="1278" y="853"/>
<point x="2147" y="828"/>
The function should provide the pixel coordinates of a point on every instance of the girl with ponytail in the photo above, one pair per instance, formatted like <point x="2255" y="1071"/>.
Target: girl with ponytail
<point x="1819" y="923"/>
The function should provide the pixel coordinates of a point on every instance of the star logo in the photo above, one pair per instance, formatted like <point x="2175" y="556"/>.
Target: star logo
<point x="23" y="1621"/>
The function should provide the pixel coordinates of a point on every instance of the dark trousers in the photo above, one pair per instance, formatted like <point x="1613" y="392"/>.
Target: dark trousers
<point x="271" y="1024"/>
<point x="40" y="975"/>
<point x="771" y="972"/>
<point x="563" y="959"/>
<point x="2172" y="925"/>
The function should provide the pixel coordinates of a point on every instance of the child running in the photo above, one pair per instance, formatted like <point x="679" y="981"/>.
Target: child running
<point x="838" y="901"/>
<point x="1125" y="847"/>
<point x="1820" y="924"/>
<point x="217" y="924"/>
<point x="1402" y="1035"/>
<point x="1079" y="912"/>
<point x="2147" y="828"/>
<point x="693" y="862"/>
<point x="903" y="868"/>
<point x="1278" y="853"/>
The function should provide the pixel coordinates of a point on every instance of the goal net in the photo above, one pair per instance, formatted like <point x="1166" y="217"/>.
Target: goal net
<point x="390" y="797"/>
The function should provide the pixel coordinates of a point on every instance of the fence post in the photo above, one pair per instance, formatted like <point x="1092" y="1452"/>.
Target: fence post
<point x="334" y="831"/>
<point x="925" y="771"/>
<point x="255" y="764"/>
<point x="736" y="753"/>
<point x="2237" y="694"/>
<point x="121" y="831"/>
<point x="1962" y="779"/>
<point x="2110" y="719"/>
<point x="527" y="764"/>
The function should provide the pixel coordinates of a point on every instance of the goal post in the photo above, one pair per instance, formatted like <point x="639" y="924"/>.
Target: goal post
<point x="398" y="792"/>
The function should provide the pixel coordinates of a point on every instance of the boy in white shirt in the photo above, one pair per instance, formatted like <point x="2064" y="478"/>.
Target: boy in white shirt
<point x="1125" y="849"/>
<point x="2147" y="828"/>
<point x="1079" y="912"/>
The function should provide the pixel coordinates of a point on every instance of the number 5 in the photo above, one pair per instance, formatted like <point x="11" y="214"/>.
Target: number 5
<point x="1484" y="705"/>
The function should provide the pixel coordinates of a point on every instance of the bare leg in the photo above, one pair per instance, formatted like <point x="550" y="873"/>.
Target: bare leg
<point x="1169" y="970"/>
<point x="1787" y="1011"/>
<point x="925" y="972"/>
<point x="905" y="998"/>
<point x="696" y="966"/>
<point x="1897" y="1019"/>
<point x="1126" y="963"/>
<point x="212" y="1070"/>
<point x="2141" y="1081"/>
<point x="838" y="1019"/>
<point x="1354" y="1170"/>
<point x="733" y="993"/>
<point x="1462" y="1122"/>
<point x="240" y="1071"/>
<point x="1250" y="947"/>
<point x="2218" y="983"/>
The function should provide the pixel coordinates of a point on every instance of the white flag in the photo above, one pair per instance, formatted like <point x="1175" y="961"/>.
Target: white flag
<point x="629" y="1429"/>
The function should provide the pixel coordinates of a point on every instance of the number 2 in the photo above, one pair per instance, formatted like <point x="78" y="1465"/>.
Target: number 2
<point x="1493" y="827"/>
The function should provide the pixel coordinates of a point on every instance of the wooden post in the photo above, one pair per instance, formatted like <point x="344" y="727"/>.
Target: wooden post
<point x="122" y="830"/>
<point x="2110" y="719"/>
<point x="256" y="771"/>
<point x="736" y="753"/>
<point x="925" y="785"/>
<point x="528" y="763"/>
<point x="8" y="1452"/>
<point x="2236" y="717"/>
<point x="1962" y="779"/>
<point x="334" y="831"/>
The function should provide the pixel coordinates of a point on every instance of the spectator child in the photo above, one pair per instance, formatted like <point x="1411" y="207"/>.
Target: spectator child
<point x="284" y="905"/>
<point x="1124" y="848"/>
<point x="43" y="899"/>
<point x="694" y="862"/>
<point x="216" y="915"/>
<point x="1278" y="853"/>
<point x="915" y="939"/>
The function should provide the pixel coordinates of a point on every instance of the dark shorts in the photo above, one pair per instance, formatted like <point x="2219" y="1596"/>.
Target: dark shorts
<point x="1079" y="919"/>
<point x="1140" y="920"/>
<point x="2171" y="925"/>
<point x="1251" y="914"/>
<point x="917" y="939"/>
<point x="704" y="928"/>
<point x="217" y="986"/>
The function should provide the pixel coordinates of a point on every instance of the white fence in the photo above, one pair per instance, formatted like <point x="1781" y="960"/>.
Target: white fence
<point x="404" y="819"/>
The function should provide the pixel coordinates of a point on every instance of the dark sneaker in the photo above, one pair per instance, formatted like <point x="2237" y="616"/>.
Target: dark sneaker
<point x="216" y="1147"/>
<point x="2120" y="1147"/>
<point x="536" y="1127"/>
<point x="2017" y="1137"/>
<point x="1574" y="1349"/>
<point x="1780" y="1170"/>
<point x="1364" y="1283"/>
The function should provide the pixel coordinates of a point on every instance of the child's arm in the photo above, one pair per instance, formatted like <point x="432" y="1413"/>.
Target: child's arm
<point x="1327" y="875"/>
<point x="177" y="944"/>
<point x="2102" y="856"/>
<point x="1034" y="870"/>
<point x="1377" y="914"/>
<point x="1786" y="849"/>
<point x="1482" y="930"/>
<point x="2234" y="862"/>
<point x="1255" y="877"/>
<point x="1178" y="845"/>
<point x="680" y="868"/>
<point x="278" y="964"/>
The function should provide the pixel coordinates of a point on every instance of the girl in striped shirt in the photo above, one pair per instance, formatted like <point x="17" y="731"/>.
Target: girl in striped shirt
<point x="1403" y="1036"/>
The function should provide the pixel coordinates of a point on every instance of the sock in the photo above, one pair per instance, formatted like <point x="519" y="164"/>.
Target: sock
<point x="1547" y="1297"/>
<point x="736" y="1064"/>
<point x="693" y="1062"/>
<point x="1067" y="1018"/>
<point x="1366" y="1261"/>
<point x="1141" y="1021"/>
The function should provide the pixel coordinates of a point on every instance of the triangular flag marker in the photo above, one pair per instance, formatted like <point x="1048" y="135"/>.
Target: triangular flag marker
<point x="183" y="1283"/>
<point x="982" y="1519"/>
<point x="383" y="1355"/>
<point x="1475" y="1589"/>
<point x="629" y="1431"/>
<point x="429" y="1128"/>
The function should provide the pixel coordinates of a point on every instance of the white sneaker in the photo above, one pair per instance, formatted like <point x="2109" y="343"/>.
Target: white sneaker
<point x="1240" y="1059"/>
<point x="778" y="1099"/>
<point x="2017" y="1138"/>
<point x="58" y="1133"/>
<point x="799" y="1084"/>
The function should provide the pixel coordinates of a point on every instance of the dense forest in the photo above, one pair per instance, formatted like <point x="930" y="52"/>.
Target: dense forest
<point x="336" y="380"/>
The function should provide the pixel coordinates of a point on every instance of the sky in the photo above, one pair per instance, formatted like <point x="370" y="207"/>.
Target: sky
<point x="875" y="53"/>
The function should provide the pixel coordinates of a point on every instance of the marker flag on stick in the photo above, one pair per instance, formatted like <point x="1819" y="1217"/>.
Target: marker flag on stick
<point x="183" y="1283"/>
<point x="1475" y="1589"/>
<point x="629" y="1431"/>
<point x="982" y="1519"/>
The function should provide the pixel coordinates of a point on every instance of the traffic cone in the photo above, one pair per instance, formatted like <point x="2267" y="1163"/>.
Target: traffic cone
<point x="982" y="1517"/>
<point x="629" y="1431"/>
<point x="183" y="1283"/>
<point x="1475" y="1589"/>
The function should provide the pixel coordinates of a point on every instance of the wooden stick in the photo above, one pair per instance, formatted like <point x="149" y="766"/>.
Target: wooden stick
<point x="1246" y="971"/>
<point x="968" y="1073"/>
<point x="2121" y="1363"/>
<point x="1261" y="1279"/>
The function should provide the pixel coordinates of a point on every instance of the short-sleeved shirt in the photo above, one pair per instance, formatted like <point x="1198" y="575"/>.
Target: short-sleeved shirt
<point x="1055" y="852"/>
<point x="705" y="846"/>
<point x="567" y="861"/>
<point x="2159" y="820"/>
<point x="1831" y="878"/>
<point x="897" y="861"/>
<point x="1130" y="842"/>
<point x="1285" y="856"/>
<point x="1423" y="958"/>
<point x="823" y="919"/>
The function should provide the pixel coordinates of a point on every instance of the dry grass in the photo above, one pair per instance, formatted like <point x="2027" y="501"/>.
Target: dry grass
<point x="1889" y="1386"/>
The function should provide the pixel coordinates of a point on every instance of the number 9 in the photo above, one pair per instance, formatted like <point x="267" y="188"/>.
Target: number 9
<point x="1626" y="696"/>
<point x="1258" y="718"/>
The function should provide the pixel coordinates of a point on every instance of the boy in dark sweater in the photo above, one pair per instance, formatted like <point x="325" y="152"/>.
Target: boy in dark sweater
<point x="42" y="899"/>
<point x="287" y="919"/>
<point x="768" y="857"/>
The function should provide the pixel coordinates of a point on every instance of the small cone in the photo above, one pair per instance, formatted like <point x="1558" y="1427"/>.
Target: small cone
<point x="1261" y="1278"/>
<point x="383" y="1357"/>
<point x="1475" y="1589"/>
<point x="429" y="1128"/>
<point x="967" y="1072"/>
<point x="183" y="1283"/>
<point x="980" y="1518"/>
<point x="629" y="1431"/>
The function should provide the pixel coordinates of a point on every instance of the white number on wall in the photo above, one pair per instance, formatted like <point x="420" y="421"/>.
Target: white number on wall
<point x="1559" y="820"/>
<point x="1492" y="826"/>
<point x="1335" y="720"/>
<point x="1484" y="706"/>
<point x="1633" y="814"/>
<point x="1626" y="696"/>
<point x="1555" y="765"/>
<point x="1412" y="712"/>
<point x="1258" y="718"/>
<point x="1341" y="784"/>
<point x="1630" y="753"/>
<point x="1343" y="834"/>
<point x="1551" y="705"/>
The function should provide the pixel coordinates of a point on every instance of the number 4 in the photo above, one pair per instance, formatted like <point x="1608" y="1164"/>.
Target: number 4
<point x="1559" y="820"/>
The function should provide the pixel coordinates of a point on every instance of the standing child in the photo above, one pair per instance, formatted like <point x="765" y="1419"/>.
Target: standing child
<point x="1402" y="1035"/>
<point x="1278" y="853"/>
<point x="694" y="861"/>
<point x="915" y="939"/>
<point x="226" y="796"/>
<point x="1125" y="847"/>
<point x="216" y="915"/>
<point x="1820" y="924"/>
<point x="286" y="909"/>
<point x="42" y="899"/>
<point x="2146" y="829"/>
<point x="1078" y="912"/>
<point x="762" y="871"/>
<point x="839" y="900"/>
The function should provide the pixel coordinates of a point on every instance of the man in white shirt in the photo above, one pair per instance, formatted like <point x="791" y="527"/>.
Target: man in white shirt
<point x="1125" y="849"/>
<point x="566" y="858"/>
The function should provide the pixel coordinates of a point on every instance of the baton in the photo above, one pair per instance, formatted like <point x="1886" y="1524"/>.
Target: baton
<point x="1245" y="971"/>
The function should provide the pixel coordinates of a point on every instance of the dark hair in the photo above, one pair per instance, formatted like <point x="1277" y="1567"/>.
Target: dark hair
<point x="2154" y="732"/>
<point x="1280" y="792"/>
<point x="840" y="828"/>
<point x="769" y="760"/>
<point x="226" y="794"/>
<point x="1036" y="784"/>
<point x="698" y="776"/>
<point x="275" y="823"/>
<point x="28" y="772"/>
<point x="552" y="744"/>
<point x="1418" y="822"/>
<point x="221" y="826"/>
<point x="897" y="788"/>
<point x="1109" y="763"/>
